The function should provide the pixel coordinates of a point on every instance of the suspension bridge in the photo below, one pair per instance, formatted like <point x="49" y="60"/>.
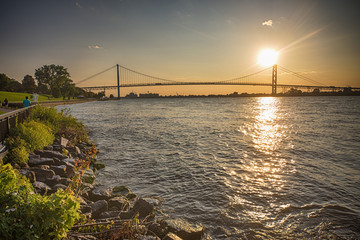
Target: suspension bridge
<point x="130" y="78"/>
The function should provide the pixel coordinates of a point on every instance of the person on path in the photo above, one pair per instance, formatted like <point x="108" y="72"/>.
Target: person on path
<point x="26" y="102"/>
<point x="5" y="102"/>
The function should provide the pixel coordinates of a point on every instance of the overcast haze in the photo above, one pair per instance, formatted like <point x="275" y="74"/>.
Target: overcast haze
<point x="181" y="40"/>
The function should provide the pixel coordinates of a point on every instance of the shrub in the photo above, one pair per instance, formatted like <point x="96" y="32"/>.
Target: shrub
<point x="72" y="129"/>
<point x="35" y="135"/>
<point x="27" y="137"/>
<point x="46" y="115"/>
<point x="17" y="155"/>
<point x="26" y="215"/>
<point x="62" y="123"/>
<point x="17" y="151"/>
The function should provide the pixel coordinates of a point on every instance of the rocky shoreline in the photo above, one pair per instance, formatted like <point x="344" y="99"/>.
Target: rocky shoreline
<point x="110" y="212"/>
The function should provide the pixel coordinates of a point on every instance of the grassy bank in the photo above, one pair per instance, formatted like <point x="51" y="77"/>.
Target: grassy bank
<point x="18" y="97"/>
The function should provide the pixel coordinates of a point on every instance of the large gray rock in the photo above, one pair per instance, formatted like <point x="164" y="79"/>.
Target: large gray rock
<point x="89" y="176"/>
<point x="58" y="186"/>
<point x="57" y="147"/>
<point x="59" y="170"/>
<point x="42" y="174"/>
<point x="109" y="214"/>
<point x="118" y="204"/>
<point x="86" y="188"/>
<point x="184" y="229"/>
<point x="41" y="187"/>
<point x="159" y="229"/>
<point x="65" y="181"/>
<point x="53" y="180"/>
<point x="143" y="208"/>
<point x="84" y="146"/>
<point x="147" y="237"/>
<point x="127" y="215"/>
<point x="172" y="236"/>
<point x="58" y="162"/>
<point x="85" y="209"/>
<point x="34" y="156"/>
<point x="100" y="193"/>
<point x="49" y="148"/>
<point x="69" y="163"/>
<point x="120" y="191"/>
<point x="74" y="151"/>
<point x="50" y="154"/>
<point x="70" y="160"/>
<point x="70" y="170"/>
<point x="24" y="165"/>
<point x="40" y="161"/>
<point x="28" y="174"/>
<point x="98" y="207"/>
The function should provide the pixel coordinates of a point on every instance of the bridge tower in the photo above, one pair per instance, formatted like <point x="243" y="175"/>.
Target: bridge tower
<point x="118" y="81"/>
<point x="274" y="80"/>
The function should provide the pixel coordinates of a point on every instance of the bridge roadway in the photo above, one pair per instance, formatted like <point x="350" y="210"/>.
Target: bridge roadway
<point x="216" y="83"/>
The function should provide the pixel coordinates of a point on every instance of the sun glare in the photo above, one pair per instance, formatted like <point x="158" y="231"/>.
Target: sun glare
<point x="267" y="57"/>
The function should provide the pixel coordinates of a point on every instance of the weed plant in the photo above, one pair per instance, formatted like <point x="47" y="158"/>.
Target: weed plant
<point x="27" y="137"/>
<point x="27" y="215"/>
<point x="62" y="123"/>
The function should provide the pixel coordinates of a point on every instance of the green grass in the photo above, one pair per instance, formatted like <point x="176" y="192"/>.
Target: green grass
<point x="1" y="112"/>
<point x="19" y="97"/>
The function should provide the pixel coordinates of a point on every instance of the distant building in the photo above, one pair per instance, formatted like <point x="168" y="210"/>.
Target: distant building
<point x="149" y="95"/>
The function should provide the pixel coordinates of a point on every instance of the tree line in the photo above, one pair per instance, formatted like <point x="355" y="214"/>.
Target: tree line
<point x="49" y="79"/>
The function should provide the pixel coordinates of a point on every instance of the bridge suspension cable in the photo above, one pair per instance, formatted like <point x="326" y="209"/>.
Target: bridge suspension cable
<point x="301" y="76"/>
<point x="96" y="74"/>
<point x="146" y="76"/>
<point x="243" y="77"/>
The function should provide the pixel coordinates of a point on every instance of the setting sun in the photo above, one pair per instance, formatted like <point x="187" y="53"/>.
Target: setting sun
<point x="267" y="57"/>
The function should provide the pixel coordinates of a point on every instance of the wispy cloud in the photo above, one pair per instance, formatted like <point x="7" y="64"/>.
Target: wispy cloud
<point x="78" y="5"/>
<point x="268" y="23"/>
<point x="95" y="47"/>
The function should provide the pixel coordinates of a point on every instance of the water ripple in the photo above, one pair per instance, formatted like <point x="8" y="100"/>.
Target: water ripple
<point x="246" y="168"/>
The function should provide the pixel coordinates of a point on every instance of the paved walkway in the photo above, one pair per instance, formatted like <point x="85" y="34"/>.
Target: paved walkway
<point x="6" y="109"/>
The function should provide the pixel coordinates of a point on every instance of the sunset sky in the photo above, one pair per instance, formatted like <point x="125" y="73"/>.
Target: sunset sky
<point x="187" y="40"/>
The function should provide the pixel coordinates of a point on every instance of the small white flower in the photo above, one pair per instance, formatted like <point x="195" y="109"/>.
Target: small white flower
<point x="10" y="210"/>
<point x="31" y="226"/>
<point x="32" y="192"/>
<point x="14" y="193"/>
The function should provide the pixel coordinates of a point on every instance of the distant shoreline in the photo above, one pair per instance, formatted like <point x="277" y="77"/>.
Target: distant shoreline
<point x="144" y="96"/>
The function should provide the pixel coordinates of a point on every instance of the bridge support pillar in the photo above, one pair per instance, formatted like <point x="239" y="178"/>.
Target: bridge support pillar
<point x="274" y="80"/>
<point x="118" y="80"/>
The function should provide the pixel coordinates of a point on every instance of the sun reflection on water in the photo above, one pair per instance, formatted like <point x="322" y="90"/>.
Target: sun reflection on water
<point x="260" y="180"/>
<point x="267" y="132"/>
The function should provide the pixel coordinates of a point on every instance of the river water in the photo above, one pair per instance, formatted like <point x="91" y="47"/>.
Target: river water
<point x="245" y="168"/>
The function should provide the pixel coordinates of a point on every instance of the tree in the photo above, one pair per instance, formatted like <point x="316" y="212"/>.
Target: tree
<point x="28" y="84"/>
<point x="8" y="84"/>
<point x="79" y="91"/>
<point x="50" y="78"/>
<point x="294" y="91"/>
<point x="4" y="82"/>
<point x="67" y="88"/>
